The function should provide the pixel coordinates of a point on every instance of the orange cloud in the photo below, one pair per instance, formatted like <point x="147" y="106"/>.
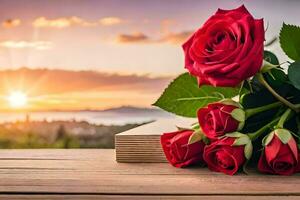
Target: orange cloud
<point x="109" y="21"/>
<point x="47" y="81"/>
<point x="177" y="38"/>
<point x="39" y="45"/>
<point x="137" y="37"/>
<point x="166" y="24"/>
<point x="64" y="22"/>
<point x="57" y="23"/>
<point x="10" y="23"/>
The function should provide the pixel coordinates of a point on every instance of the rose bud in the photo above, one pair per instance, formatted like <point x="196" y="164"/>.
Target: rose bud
<point x="178" y="151"/>
<point x="280" y="155"/>
<point x="227" y="49"/>
<point x="228" y="154"/>
<point x="219" y="118"/>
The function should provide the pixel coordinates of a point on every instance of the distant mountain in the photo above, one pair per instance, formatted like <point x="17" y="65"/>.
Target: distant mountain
<point x="121" y="109"/>
<point x="132" y="109"/>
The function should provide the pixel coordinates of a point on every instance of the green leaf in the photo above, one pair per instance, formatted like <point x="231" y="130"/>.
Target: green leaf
<point x="241" y="126"/>
<point x="273" y="73"/>
<point x="195" y="137"/>
<point x="290" y="40"/>
<point x="179" y="128"/>
<point x="205" y="139"/>
<point x="248" y="150"/>
<point x="245" y="170"/>
<point x="235" y="134"/>
<point x="238" y="114"/>
<point x="267" y="139"/>
<point x="231" y="102"/>
<point x="271" y="58"/>
<point x="268" y="66"/>
<point x="183" y="96"/>
<point x="294" y="74"/>
<point x="276" y="77"/>
<point x="196" y="126"/>
<point x="284" y="135"/>
<point x="298" y="124"/>
<point x="241" y="141"/>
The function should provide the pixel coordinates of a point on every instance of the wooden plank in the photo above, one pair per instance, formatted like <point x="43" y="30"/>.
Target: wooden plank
<point x="142" y="144"/>
<point x="138" y="197"/>
<point x="95" y="172"/>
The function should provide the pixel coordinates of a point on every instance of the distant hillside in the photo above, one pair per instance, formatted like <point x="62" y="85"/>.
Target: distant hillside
<point x="121" y="109"/>
<point x="132" y="109"/>
<point x="59" y="134"/>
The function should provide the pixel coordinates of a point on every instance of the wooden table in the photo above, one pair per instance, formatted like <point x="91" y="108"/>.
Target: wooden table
<point x="94" y="174"/>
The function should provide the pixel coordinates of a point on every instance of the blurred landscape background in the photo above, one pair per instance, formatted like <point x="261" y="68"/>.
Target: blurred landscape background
<point x="74" y="73"/>
<point x="72" y="129"/>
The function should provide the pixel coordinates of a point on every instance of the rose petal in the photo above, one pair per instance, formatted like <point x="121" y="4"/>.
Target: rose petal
<point x="263" y="165"/>
<point x="178" y="152"/>
<point x="186" y="48"/>
<point x="232" y="155"/>
<point x="242" y="9"/>
<point x="223" y="81"/>
<point x="272" y="149"/>
<point x="293" y="146"/>
<point x="284" y="163"/>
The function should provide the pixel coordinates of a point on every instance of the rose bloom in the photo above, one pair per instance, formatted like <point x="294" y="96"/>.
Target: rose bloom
<point x="227" y="49"/>
<point x="220" y="156"/>
<point x="279" y="158"/>
<point x="177" y="150"/>
<point x="215" y="120"/>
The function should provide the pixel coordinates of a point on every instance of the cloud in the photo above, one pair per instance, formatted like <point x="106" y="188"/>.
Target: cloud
<point x="39" y="45"/>
<point x="109" y="21"/>
<point x="137" y="37"/>
<point x="10" y="23"/>
<point x="166" y="24"/>
<point x="64" y="22"/>
<point x="177" y="38"/>
<point x="52" y="81"/>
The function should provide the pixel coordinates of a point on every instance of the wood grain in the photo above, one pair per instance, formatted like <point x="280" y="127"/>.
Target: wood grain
<point x="142" y="144"/>
<point x="139" y="197"/>
<point x="94" y="174"/>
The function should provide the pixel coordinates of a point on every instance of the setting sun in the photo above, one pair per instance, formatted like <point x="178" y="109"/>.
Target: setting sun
<point x="17" y="99"/>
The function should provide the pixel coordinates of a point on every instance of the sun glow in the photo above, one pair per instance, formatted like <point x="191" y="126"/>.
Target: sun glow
<point x="17" y="99"/>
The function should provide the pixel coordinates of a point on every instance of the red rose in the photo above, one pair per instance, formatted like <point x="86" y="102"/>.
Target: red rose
<point x="220" y="156"/>
<point x="279" y="158"/>
<point x="216" y="120"/>
<point x="177" y="150"/>
<point x="227" y="49"/>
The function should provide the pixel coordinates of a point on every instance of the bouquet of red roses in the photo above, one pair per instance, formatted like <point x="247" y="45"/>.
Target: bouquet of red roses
<point x="246" y="103"/>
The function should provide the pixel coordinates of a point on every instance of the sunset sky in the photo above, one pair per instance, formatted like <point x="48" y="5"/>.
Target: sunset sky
<point x="128" y="49"/>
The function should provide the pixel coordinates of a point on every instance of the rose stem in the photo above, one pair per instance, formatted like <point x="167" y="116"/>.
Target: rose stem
<point x="253" y="136"/>
<point x="267" y="66"/>
<point x="252" y="111"/>
<point x="275" y="94"/>
<point x="286" y="115"/>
